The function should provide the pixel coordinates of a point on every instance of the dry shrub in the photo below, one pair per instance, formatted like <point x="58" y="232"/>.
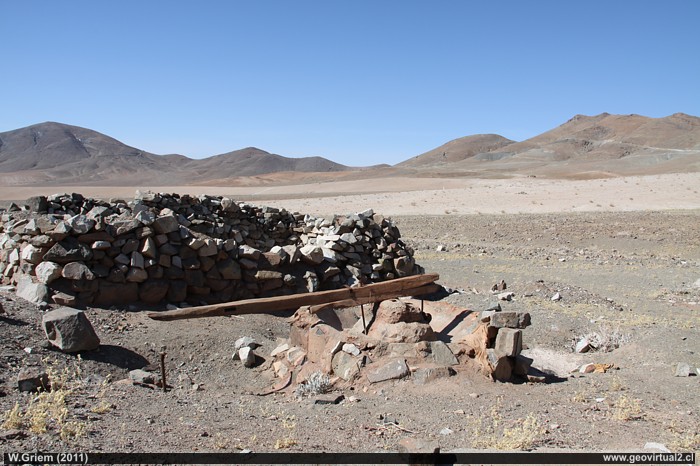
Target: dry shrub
<point x="495" y="433"/>
<point x="48" y="411"/>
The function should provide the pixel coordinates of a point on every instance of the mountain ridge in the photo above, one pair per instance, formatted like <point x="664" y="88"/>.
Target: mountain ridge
<point x="598" y="145"/>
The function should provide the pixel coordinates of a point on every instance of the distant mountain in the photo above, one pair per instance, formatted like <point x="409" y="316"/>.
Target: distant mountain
<point x="57" y="153"/>
<point x="584" y="146"/>
<point x="252" y="161"/>
<point x="458" y="150"/>
<point x="616" y="136"/>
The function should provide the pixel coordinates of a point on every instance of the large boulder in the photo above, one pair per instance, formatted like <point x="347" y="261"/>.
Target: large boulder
<point x="70" y="330"/>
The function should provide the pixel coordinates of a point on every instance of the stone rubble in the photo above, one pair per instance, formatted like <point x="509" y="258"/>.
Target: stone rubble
<point x="175" y="248"/>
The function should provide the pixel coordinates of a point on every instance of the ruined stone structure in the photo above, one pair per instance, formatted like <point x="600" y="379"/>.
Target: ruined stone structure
<point x="161" y="248"/>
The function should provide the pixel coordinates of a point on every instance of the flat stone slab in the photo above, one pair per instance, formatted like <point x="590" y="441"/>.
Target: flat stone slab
<point x="396" y="369"/>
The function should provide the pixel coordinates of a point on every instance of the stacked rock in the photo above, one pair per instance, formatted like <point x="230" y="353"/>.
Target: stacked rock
<point x="166" y="247"/>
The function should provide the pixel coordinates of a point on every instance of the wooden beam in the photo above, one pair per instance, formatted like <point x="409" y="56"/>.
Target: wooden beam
<point x="396" y="287"/>
<point x="418" y="291"/>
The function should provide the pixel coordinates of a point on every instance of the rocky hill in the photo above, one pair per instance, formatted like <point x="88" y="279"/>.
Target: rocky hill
<point x="583" y="147"/>
<point x="56" y="153"/>
<point x="458" y="150"/>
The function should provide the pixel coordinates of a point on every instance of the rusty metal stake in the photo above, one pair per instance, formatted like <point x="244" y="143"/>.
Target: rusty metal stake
<point x="364" y="325"/>
<point x="162" y="370"/>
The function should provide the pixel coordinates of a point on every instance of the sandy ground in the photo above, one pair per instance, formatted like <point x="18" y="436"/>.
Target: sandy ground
<point x="426" y="196"/>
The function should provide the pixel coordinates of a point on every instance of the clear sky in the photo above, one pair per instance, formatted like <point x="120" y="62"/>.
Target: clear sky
<point x="359" y="82"/>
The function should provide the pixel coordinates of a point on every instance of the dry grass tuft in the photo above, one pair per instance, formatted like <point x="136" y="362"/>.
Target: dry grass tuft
<point x="48" y="411"/>
<point x="496" y="433"/>
<point x="627" y="409"/>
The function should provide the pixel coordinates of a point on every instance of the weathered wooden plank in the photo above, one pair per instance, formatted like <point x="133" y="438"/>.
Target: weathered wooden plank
<point x="282" y="303"/>
<point x="419" y="291"/>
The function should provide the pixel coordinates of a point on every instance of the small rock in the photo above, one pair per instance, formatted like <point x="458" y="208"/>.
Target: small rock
<point x="396" y="369"/>
<point x="351" y="349"/>
<point x="656" y="446"/>
<point x="280" y="368"/>
<point x="32" y="380"/>
<point x="246" y="342"/>
<point x="587" y="368"/>
<point x="682" y="369"/>
<point x="446" y="431"/>
<point x="141" y="376"/>
<point x="280" y="349"/>
<point x="329" y="400"/>
<point x="506" y="296"/>
<point x="556" y="297"/>
<point x="426" y="375"/>
<point x="441" y="248"/>
<point x="247" y="356"/>
<point x="583" y="346"/>
<point x="495" y="306"/>
<point x="296" y="356"/>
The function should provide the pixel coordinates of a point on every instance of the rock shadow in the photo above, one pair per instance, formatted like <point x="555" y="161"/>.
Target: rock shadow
<point x="116" y="356"/>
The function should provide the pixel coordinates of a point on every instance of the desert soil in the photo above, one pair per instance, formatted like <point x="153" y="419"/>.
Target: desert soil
<point x="623" y="266"/>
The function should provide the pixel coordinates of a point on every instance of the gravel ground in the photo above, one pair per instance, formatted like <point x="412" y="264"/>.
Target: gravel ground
<point x="632" y="276"/>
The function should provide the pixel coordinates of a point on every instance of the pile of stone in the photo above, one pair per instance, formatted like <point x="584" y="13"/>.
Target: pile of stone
<point x="398" y="341"/>
<point x="182" y="249"/>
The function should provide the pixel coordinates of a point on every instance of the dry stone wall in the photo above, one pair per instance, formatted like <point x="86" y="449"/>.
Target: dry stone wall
<point x="158" y="248"/>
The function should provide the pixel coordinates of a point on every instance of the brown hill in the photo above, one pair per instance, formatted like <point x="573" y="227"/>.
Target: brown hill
<point x="595" y="146"/>
<point x="55" y="153"/>
<point x="458" y="150"/>
<point x="252" y="161"/>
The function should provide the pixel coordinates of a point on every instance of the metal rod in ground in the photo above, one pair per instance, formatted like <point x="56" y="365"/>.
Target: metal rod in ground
<point x="162" y="371"/>
<point x="364" y="325"/>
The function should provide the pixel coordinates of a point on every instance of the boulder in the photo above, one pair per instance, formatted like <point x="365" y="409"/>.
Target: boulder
<point x="47" y="271"/>
<point x="69" y="330"/>
<point x="396" y="369"/>
<point x="33" y="292"/>
<point x="32" y="379"/>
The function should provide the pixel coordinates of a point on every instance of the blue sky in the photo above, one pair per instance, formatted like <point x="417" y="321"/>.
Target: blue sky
<point x="359" y="82"/>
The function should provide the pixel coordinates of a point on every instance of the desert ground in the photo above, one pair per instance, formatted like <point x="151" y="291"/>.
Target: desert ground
<point x="623" y="253"/>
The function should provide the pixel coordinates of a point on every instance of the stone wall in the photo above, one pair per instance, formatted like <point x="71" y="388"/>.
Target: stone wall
<point x="159" y="248"/>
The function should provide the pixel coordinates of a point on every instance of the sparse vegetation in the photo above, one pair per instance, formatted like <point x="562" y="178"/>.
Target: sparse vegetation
<point x="316" y="384"/>
<point x="605" y="339"/>
<point x="627" y="409"/>
<point x="494" y="432"/>
<point x="48" y="411"/>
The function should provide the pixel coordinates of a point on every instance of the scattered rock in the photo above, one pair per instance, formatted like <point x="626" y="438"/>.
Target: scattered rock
<point x="328" y="399"/>
<point x="351" y="349"/>
<point x="70" y="330"/>
<point x="345" y="365"/>
<point x="425" y="375"/>
<point x="446" y="431"/>
<point x="506" y="296"/>
<point x="587" y="368"/>
<point x="141" y="376"/>
<point x="33" y="292"/>
<point x="31" y="379"/>
<point x="246" y="342"/>
<point x="583" y="345"/>
<point x="396" y="369"/>
<point x="280" y="349"/>
<point x="509" y="341"/>
<point x="682" y="369"/>
<point x="556" y="297"/>
<point x="247" y="356"/>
